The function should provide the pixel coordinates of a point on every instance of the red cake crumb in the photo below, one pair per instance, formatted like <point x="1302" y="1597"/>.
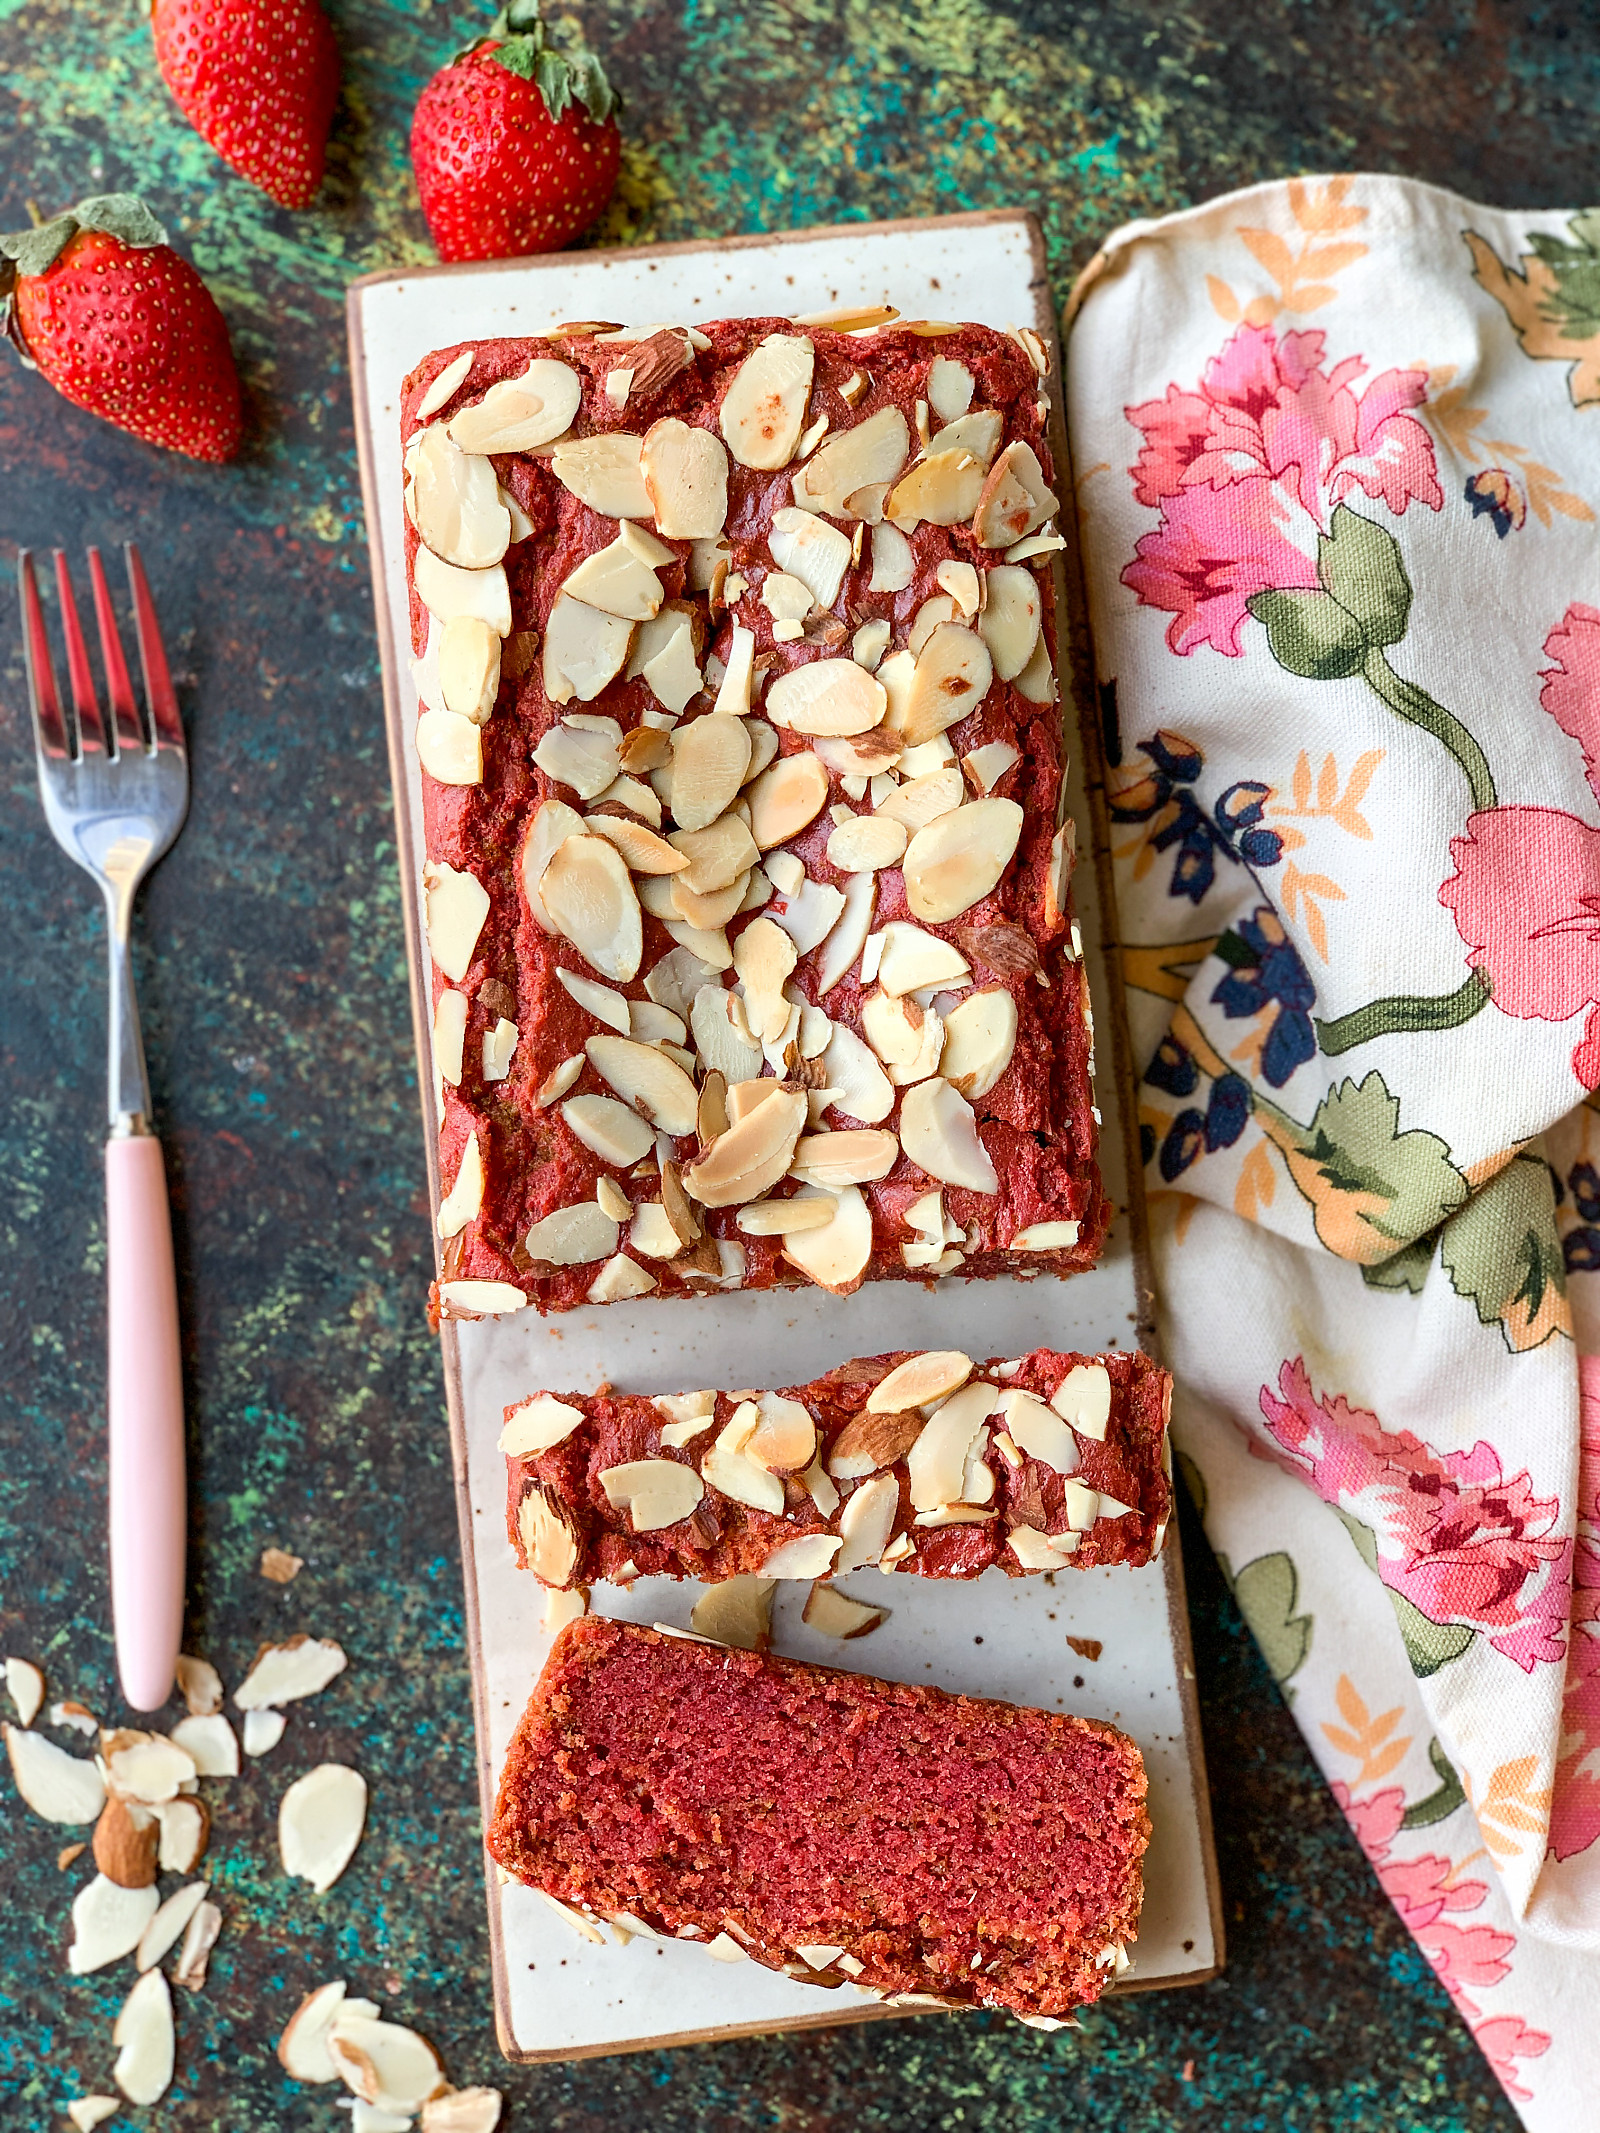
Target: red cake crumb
<point x="836" y="1827"/>
<point x="1064" y="1498"/>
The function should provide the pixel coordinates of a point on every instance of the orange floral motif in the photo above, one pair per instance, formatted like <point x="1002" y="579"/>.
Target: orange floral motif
<point x="1510" y="1804"/>
<point x="1304" y="276"/>
<point x="1368" y="1738"/>
<point x="1460" y="426"/>
<point x="1546" y="296"/>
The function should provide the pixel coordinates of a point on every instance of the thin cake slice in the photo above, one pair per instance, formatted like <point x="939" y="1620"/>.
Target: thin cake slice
<point x="920" y="1461"/>
<point x="830" y="1825"/>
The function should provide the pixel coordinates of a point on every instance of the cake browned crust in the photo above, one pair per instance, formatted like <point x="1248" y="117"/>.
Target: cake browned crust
<point x="747" y="866"/>
<point x="839" y="1828"/>
<point x="918" y="1461"/>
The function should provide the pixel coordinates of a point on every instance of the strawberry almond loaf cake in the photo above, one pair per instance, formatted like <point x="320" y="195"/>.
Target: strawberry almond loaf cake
<point x="922" y="1846"/>
<point x="747" y="864"/>
<point x="914" y="1461"/>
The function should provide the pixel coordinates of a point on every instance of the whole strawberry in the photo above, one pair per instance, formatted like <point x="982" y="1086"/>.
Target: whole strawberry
<point x="515" y="145"/>
<point x="98" y="302"/>
<point x="258" y="79"/>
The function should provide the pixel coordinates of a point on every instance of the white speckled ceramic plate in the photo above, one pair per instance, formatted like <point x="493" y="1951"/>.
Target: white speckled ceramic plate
<point x="558" y="1995"/>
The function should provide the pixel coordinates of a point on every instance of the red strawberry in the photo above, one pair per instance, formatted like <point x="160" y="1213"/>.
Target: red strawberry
<point x="258" y="79"/>
<point x="99" y="303"/>
<point x="514" y="144"/>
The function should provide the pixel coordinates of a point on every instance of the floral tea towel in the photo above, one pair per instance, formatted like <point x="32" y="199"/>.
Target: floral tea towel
<point x="1337" y="451"/>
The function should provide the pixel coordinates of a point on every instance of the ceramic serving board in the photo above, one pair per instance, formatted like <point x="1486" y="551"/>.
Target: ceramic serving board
<point x="1109" y="1643"/>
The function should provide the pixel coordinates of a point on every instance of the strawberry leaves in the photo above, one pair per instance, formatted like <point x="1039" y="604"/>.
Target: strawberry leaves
<point x="561" y="78"/>
<point x="120" y="215"/>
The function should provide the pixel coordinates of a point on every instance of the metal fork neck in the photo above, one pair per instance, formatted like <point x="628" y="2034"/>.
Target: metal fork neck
<point x="128" y="1084"/>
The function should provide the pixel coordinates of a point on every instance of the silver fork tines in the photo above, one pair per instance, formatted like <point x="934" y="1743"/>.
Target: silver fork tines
<point x="114" y="790"/>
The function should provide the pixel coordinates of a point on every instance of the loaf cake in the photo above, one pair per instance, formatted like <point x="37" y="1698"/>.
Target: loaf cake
<point x="914" y="1844"/>
<point x="912" y="1461"/>
<point x="747" y="864"/>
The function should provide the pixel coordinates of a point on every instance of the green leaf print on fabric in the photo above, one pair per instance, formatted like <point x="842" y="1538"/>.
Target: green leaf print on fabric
<point x="1429" y="1645"/>
<point x="1503" y="1251"/>
<point x="1371" y="1186"/>
<point x="1360" y="565"/>
<point x="1407" y="1271"/>
<point x="1440" y="1805"/>
<point x="1575" y="270"/>
<point x="1311" y="635"/>
<point x="1267" y="1590"/>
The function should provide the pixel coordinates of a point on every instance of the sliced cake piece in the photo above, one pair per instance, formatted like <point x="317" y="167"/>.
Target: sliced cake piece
<point x="828" y="1824"/>
<point x="921" y="1461"/>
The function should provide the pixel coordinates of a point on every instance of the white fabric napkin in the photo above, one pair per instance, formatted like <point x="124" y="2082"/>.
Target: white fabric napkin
<point x="1337" y="452"/>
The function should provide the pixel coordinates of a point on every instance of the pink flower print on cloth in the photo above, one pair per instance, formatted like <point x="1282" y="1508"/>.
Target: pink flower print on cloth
<point x="1575" y="1806"/>
<point x="1248" y="469"/>
<point x="1454" y="1537"/>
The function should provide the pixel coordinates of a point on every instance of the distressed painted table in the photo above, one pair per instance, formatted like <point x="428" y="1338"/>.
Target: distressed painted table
<point x="273" y="979"/>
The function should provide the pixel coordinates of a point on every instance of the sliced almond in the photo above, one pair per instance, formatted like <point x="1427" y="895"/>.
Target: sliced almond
<point x="107" y="1920"/>
<point x="581" y="751"/>
<point x="652" y="1233"/>
<point x="856" y="1157"/>
<point x="1011" y="618"/>
<point x="463" y="1202"/>
<point x="908" y="1039"/>
<point x="786" y="798"/>
<point x="145" y="2041"/>
<point x="584" y="648"/>
<point x="913" y="960"/>
<point x="455" y="502"/>
<point x="211" y="1742"/>
<point x="764" y="407"/>
<point x="643" y="852"/>
<point x="449" y="1035"/>
<point x="866" y="843"/>
<point x="939" y="607"/>
<point x="1083" y="1398"/>
<point x="1063" y="854"/>
<point x="604" y="472"/>
<point x="737" y="1612"/>
<point x="1081" y="1504"/>
<point x="938" y="1462"/>
<point x="262" y="1732"/>
<point x="1039" y="1432"/>
<point x="612" y="1200"/>
<point x="977" y="433"/>
<point x="764" y="956"/>
<point x="809" y="915"/>
<point x="893" y="564"/>
<point x="686" y="477"/>
<point x="920" y="1380"/>
<point x="950" y="388"/>
<point x="146" y="1766"/>
<point x="522" y="412"/>
<point x="958" y="859"/>
<point x="832" y="1613"/>
<point x="781" y="1218"/>
<point x="560" y="1078"/>
<point x="808" y="549"/>
<point x="552" y="824"/>
<point x="952" y="677"/>
<point x="672" y="670"/>
<point x="980" y="1036"/>
<point x="655" y="1493"/>
<point x="455" y="905"/>
<point x="710" y="759"/>
<point x="608" y="1128"/>
<point x="283" y="1673"/>
<point x="538" y="1425"/>
<point x="25" y="1687"/>
<point x="587" y="892"/>
<point x="572" y="1236"/>
<point x="871" y="453"/>
<point x="303" y="2047"/>
<point x="841" y="949"/>
<point x="447" y="592"/>
<point x="940" y="490"/>
<point x="809" y="1555"/>
<point x="959" y="581"/>
<point x="940" y="1135"/>
<point x="127" y="1843"/>
<point x="169" y="1924"/>
<point x="676" y="979"/>
<point x="184" y="1826"/>
<point x="201" y="1936"/>
<point x="654" y="1085"/>
<point x="860" y="1087"/>
<point x="634" y="796"/>
<point x="986" y="766"/>
<point x="1015" y="500"/>
<point x="717" y="855"/>
<point x="869" y="1442"/>
<point x="480" y="1299"/>
<point x="200" y="1686"/>
<point x="446" y="385"/>
<point x="87" y="2112"/>
<point x="866" y="1523"/>
<point x="710" y="944"/>
<point x="784" y="1441"/>
<point x="320" y="1820"/>
<point x="547" y="1540"/>
<point x="721" y="1037"/>
<point x="1037" y="681"/>
<point x="387" y="2065"/>
<point x="836" y="1255"/>
<point x="826" y="696"/>
<point x="752" y="1155"/>
<point x="619" y="1279"/>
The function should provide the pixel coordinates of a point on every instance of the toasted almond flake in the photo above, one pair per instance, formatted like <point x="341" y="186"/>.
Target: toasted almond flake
<point x="809" y="1555"/>
<point x="584" y="648"/>
<point x="547" y="1540"/>
<point x="455" y="502"/>
<point x="194" y="1956"/>
<point x="784" y="1440"/>
<point x="572" y="1236"/>
<point x="950" y="388"/>
<point x="809" y="916"/>
<point x="685" y="474"/>
<point x="710" y="759"/>
<point x="87" y="2112"/>
<point x="445" y="386"/>
<point x="826" y="696"/>
<point x="863" y="457"/>
<point x="560" y="1608"/>
<point x="1081" y="1504"/>
<point x="737" y="1612"/>
<point x="752" y="1155"/>
<point x="655" y="1493"/>
<point x="283" y="1673"/>
<point x="462" y="2111"/>
<point x="684" y="1408"/>
<point x="866" y="1523"/>
<point x="1083" y="1398"/>
<point x="455" y="905"/>
<point x="553" y="823"/>
<point x="978" y="433"/>
<point x="144" y="1766"/>
<point x="587" y="892"/>
<point x="1039" y="1432"/>
<point x="938" y="1462"/>
<point x="303" y="2048"/>
<point x="199" y="1683"/>
<point x="893" y="564"/>
<point x="557" y="1082"/>
<point x="941" y="490"/>
<point x="710" y="944"/>
<point x="913" y="960"/>
<point x="498" y="1045"/>
<point x="608" y="1128"/>
<point x="861" y="1088"/>
<point x="620" y="579"/>
<point x="212" y="1744"/>
<point x="1015" y="500"/>
<point x="672" y="673"/>
<point x="834" y="1256"/>
<point x="788" y="599"/>
<point x="601" y="1001"/>
<point x="168" y="1924"/>
<point x="652" y="1232"/>
<point x="604" y="472"/>
<point x="480" y="1299"/>
<point x="832" y="1613"/>
<point x="864" y="843"/>
<point x="960" y="582"/>
<point x="463" y="1202"/>
<point x="1037" y="681"/>
<point x="143" y="2036"/>
<point x="25" y="1687"/>
<point x="841" y="949"/>
<point x="937" y="608"/>
<point x="919" y="1381"/>
<point x="858" y="1156"/>
<point x="262" y="1731"/>
<point x="384" y="2063"/>
<point x="107" y="1920"/>
<point x="1046" y="542"/>
<point x="75" y="1715"/>
<point x="713" y="909"/>
<point x="980" y="1037"/>
<point x="764" y="407"/>
<point x="320" y="1820"/>
<point x="538" y="1425"/>
<point x="986" y="766"/>
<point x="808" y="549"/>
<point x="184" y="1826"/>
<point x="520" y="413"/>
<point x="127" y="1842"/>
<point x="1011" y="618"/>
<point x="786" y="798"/>
<point x="940" y="1135"/>
<point x="870" y="1442"/>
<point x="447" y="592"/>
<point x="781" y="1218"/>
<point x="721" y="1037"/>
<point x="908" y="1039"/>
<point x="952" y="676"/>
<point x="645" y="1078"/>
<point x="581" y="752"/>
<point x="764" y="956"/>
<point x="718" y="856"/>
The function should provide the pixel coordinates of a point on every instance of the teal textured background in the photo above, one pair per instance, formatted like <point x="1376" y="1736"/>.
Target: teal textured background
<point x="272" y="973"/>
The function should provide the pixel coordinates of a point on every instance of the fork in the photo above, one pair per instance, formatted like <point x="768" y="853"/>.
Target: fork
<point x="115" y="797"/>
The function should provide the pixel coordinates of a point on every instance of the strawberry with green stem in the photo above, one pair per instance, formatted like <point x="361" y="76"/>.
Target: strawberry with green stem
<point x="515" y="144"/>
<point x="101" y="306"/>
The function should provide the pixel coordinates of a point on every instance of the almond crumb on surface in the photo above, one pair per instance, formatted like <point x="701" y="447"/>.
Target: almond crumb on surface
<point x="67" y="1854"/>
<point x="1088" y="1648"/>
<point x="280" y="1566"/>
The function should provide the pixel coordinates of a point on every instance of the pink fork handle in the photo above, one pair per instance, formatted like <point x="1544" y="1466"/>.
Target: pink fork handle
<point x="149" y="1519"/>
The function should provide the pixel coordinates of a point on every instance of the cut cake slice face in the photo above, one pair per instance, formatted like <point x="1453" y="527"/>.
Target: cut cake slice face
<point x="921" y="1846"/>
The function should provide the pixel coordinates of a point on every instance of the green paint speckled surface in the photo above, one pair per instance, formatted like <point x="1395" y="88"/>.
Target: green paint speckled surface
<point x="273" y="985"/>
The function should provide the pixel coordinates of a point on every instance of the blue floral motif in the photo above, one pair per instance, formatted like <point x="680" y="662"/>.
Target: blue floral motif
<point x="1163" y="798"/>
<point x="1174" y="1068"/>
<point x="1194" y="1133"/>
<point x="1494" y="494"/>
<point x="1265" y="970"/>
<point x="1581" y="1247"/>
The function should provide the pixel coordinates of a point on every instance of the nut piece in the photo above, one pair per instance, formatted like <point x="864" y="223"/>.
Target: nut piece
<point x="810" y="1555"/>
<point x="1011" y="617"/>
<point x="462" y="1203"/>
<point x="609" y="1129"/>
<point x="583" y="649"/>
<point x="942" y="490"/>
<point x="455" y="906"/>
<point x="780" y="1218"/>
<point x="283" y="1673"/>
<point x="686" y="477"/>
<point x="828" y="696"/>
<point x="893" y="564"/>
<point x="950" y="388"/>
<point x="870" y="1442"/>
<point x="1015" y="499"/>
<point x="548" y="1541"/>
<point x="952" y="677"/>
<point x="784" y="1441"/>
<point x="867" y="842"/>
<point x="1039" y="1432"/>
<point x="469" y="668"/>
<point x="604" y="472"/>
<point x="919" y="1381"/>
<point x="127" y="1839"/>
<point x="977" y="433"/>
<point x="572" y="1236"/>
<point x="908" y="1039"/>
<point x="537" y="1425"/>
<point x="654" y="1492"/>
<point x="621" y="579"/>
<point x="870" y="454"/>
<point x="718" y="855"/>
<point x="447" y="592"/>
<point x="444" y="387"/>
<point x="866" y="1523"/>
<point x="583" y="752"/>
<point x="857" y="1157"/>
<point x="738" y="1612"/>
<point x="519" y="413"/>
<point x="980" y="1036"/>
<point x="784" y="799"/>
<point x="753" y="1154"/>
<point x="455" y="502"/>
<point x="834" y="1256"/>
<point x="940" y="1135"/>
<point x="145" y="2041"/>
<point x="913" y="960"/>
<point x="589" y="895"/>
<point x="710" y="759"/>
<point x="835" y="1614"/>
<point x="861" y="1088"/>
<point x="949" y="1447"/>
<point x="656" y="1086"/>
<point x="764" y="955"/>
<point x="809" y="549"/>
<point x="1083" y="1398"/>
<point x="764" y="408"/>
<point x="320" y="1820"/>
<point x="1045" y="1237"/>
<point x="958" y="859"/>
